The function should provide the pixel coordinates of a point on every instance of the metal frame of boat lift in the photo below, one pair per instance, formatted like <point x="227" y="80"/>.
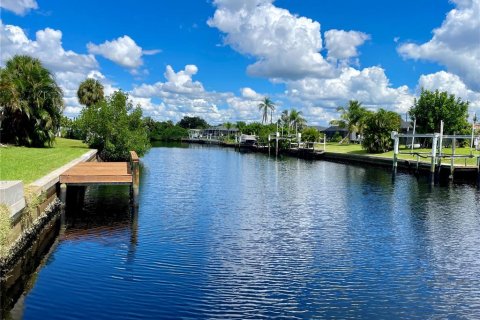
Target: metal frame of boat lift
<point x="436" y="154"/>
<point x="276" y="136"/>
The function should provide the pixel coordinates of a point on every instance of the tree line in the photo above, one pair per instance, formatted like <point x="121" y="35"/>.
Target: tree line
<point x="427" y="111"/>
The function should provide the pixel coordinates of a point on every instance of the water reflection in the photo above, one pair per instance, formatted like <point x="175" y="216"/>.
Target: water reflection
<point x="104" y="216"/>
<point x="221" y="234"/>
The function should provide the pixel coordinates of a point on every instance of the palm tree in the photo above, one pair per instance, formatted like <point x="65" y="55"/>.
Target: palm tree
<point x="228" y="126"/>
<point x="297" y="120"/>
<point x="284" y="120"/>
<point x="32" y="101"/>
<point x="240" y="125"/>
<point x="90" y="92"/>
<point x="265" y="106"/>
<point x="352" y="118"/>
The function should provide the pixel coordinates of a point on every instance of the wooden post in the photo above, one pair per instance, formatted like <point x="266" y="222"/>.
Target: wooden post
<point x="134" y="163"/>
<point x="434" y="156"/>
<point x="63" y="195"/>
<point x="396" y="141"/>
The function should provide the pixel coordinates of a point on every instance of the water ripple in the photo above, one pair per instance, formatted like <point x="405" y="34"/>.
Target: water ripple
<point x="226" y="235"/>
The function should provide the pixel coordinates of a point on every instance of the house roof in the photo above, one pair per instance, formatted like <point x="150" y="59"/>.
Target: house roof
<point x="334" y="129"/>
<point x="319" y="128"/>
<point x="222" y="128"/>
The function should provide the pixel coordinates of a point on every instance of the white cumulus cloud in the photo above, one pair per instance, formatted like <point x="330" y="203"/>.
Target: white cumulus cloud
<point x="181" y="95"/>
<point x="123" y="51"/>
<point x="284" y="45"/>
<point x="19" y="7"/>
<point x="343" y="44"/>
<point x="288" y="49"/>
<point x="455" y="44"/>
<point x="370" y="86"/>
<point x="250" y="94"/>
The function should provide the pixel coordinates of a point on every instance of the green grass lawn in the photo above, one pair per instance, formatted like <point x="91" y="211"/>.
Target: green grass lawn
<point x="30" y="164"/>
<point x="357" y="149"/>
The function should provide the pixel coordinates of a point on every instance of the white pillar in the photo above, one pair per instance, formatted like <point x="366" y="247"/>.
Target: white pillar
<point x="434" y="156"/>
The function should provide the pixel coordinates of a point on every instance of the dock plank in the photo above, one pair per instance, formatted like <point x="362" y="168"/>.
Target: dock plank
<point x="98" y="173"/>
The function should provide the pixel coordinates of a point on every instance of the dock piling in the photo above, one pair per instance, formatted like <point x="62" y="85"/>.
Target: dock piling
<point x="434" y="157"/>
<point x="277" y="135"/>
<point x="396" y="142"/>
<point x="63" y="195"/>
<point x="135" y="176"/>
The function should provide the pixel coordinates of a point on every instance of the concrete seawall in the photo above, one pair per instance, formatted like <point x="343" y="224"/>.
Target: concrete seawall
<point x="34" y="229"/>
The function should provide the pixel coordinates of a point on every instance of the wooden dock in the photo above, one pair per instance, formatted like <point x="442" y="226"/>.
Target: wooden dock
<point x="89" y="173"/>
<point x="102" y="173"/>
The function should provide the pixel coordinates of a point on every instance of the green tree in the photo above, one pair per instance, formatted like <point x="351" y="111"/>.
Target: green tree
<point x="164" y="130"/>
<point x="115" y="127"/>
<point x="310" y="134"/>
<point x="285" y="118"/>
<point x="73" y="129"/>
<point x="193" y="123"/>
<point x="377" y="133"/>
<point x="432" y="107"/>
<point x="90" y="92"/>
<point x="228" y="126"/>
<point x="173" y="133"/>
<point x="266" y="106"/>
<point x="240" y="125"/>
<point x="352" y="118"/>
<point x="32" y="101"/>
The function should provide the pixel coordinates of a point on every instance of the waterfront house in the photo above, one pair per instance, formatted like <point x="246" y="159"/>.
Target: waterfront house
<point x="332" y="130"/>
<point x="194" y="134"/>
<point x="218" y="132"/>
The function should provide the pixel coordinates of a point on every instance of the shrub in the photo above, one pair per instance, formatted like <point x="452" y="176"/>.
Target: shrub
<point x="310" y="134"/>
<point x="337" y="137"/>
<point x="377" y="134"/>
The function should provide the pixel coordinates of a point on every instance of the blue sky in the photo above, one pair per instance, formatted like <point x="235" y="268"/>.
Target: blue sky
<point x="216" y="59"/>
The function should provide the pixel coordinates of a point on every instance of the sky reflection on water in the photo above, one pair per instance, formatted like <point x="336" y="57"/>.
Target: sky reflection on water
<point x="221" y="234"/>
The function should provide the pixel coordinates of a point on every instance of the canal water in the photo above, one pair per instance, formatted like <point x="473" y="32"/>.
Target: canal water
<point x="221" y="234"/>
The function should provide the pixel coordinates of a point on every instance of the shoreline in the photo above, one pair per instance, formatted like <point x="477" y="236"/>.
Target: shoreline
<point x="32" y="231"/>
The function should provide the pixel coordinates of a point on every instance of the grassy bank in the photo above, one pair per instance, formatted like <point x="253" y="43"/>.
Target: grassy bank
<point x="30" y="164"/>
<point x="357" y="149"/>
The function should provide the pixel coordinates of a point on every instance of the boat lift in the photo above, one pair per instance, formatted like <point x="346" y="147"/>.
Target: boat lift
<point x="436" y="155"/>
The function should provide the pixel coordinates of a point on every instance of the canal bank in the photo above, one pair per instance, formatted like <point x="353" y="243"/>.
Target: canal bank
<point x="35" y="221"/>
